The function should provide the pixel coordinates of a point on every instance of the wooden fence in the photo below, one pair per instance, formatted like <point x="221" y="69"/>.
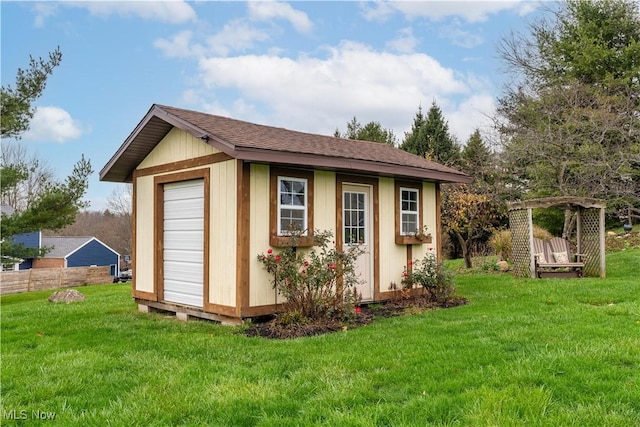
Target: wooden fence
<point x="38" y="279"/>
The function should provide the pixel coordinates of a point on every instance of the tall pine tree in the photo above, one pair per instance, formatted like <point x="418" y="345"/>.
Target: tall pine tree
<point x="57" y="204"/>
<point x="430" y="138"/>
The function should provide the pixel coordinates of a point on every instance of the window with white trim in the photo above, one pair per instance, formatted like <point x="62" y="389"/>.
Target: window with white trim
<point x="292" y="205"/>
<point x="409" y="211"/>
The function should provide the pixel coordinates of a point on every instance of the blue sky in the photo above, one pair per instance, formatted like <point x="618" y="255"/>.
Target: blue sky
<point x="308" y="66"/>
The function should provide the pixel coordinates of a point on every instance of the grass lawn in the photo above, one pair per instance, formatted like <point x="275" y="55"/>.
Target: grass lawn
<point x="522" y="352"/>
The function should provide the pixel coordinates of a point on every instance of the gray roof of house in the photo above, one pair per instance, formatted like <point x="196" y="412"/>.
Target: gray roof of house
<point x="63" y="245"/>
<point x="6" y="209"/>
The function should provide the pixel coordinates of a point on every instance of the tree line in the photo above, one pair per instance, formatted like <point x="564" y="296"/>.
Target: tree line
<point x="567" y="124"/>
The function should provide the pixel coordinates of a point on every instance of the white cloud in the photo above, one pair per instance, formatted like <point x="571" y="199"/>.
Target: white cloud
<point x="378" y="11"/>
<point x="179" y="46"/>
<point x="268" y="10"/>
<point x="170" y="11"/>
<point x="318" y="94"/>
<point x="236" y="35"/>
<point x="458" y="36"/>
<point x="473" y="112"/>
<point x="436" y="10"/>
<point x="405" y="42"/>
<point x="52" y="124"/>
<point x="43" y="11"/>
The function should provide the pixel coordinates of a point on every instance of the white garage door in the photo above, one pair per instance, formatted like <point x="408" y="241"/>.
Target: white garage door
<point x="184" y="242"/>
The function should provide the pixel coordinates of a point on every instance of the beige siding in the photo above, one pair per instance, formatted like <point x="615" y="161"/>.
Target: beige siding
<point x="429" y="219"/>
<point x="392" y="257"/>
<point x="144" y="256"/>
<point x="223" y="233"/>
<point x="324" y="194"/>
<point x="175" y="146"/>
<point x="222" y="239"/>
<point x="261" y="290"/>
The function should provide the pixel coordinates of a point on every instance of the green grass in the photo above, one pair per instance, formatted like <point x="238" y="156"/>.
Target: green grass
<point x="522" y="352"/>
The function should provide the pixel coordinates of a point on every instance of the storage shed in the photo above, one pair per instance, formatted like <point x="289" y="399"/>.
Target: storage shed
<point x="210" y="193"/>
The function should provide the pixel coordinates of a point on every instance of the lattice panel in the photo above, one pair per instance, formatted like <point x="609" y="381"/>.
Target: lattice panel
<point x="520" y="246"/>
<point x="590" y="241"/>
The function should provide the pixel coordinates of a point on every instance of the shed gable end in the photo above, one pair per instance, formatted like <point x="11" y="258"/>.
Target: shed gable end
<point x="176" y="146"/>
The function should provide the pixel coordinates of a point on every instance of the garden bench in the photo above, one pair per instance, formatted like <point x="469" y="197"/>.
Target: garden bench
<point x="555" y="258"/>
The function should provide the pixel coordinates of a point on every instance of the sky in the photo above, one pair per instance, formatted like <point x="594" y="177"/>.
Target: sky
<point x="307" y="66"/>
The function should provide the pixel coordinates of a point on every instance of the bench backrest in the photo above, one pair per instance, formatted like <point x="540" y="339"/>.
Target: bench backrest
<point x="558" y="245"/>
<point x="541" y="251"/>
<point x="545" y="250"/>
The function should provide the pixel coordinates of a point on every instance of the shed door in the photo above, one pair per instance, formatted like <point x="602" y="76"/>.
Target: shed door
<point x="357" y="230"/>
<point x="183" y="238"/>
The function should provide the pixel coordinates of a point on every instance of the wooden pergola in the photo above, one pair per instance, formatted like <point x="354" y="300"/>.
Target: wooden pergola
<point x="590" y="229"/>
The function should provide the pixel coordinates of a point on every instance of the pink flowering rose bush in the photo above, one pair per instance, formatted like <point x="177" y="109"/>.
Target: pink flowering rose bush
<point x="315" y="284"/>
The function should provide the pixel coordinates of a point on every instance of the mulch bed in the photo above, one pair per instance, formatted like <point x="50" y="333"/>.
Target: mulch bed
<point x="272" y="328"/>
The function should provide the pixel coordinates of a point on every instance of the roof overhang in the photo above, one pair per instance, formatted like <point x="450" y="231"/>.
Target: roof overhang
<point x="157" y="123"/>
<point x="346" y="165"/>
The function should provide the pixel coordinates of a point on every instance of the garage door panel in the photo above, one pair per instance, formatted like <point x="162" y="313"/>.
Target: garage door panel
<point x="187" y="208"/>
<point x="183" y="239"/>
<point x="177" y="255"/>
<point x="184" y="271"/>
<point x="189" y="224"/>
<point x="183" y="190"/>
<point x="183" y="298"/>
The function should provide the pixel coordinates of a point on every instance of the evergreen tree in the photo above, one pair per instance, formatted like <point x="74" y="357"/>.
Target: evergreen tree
<point x="17" y="110"/>
<point x="430" y="138"/>
<point x="56" y="203"/>
<point x="372" y="131"/>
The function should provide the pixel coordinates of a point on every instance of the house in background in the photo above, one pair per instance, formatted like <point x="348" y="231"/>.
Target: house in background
<point x="68" y="251"/>
<point x="29" y="240"/>
<point x="72" y="251"/>
<point x="210" y="193"/>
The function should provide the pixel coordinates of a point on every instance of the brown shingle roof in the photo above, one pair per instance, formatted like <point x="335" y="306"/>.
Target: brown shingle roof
<point x="258" y="143"/>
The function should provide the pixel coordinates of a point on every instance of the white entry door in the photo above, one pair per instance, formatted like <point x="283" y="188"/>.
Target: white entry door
<point x="357" y="229"/>
<point x="183" y="240"/>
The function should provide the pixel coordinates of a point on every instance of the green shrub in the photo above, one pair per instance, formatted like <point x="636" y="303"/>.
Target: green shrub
<point x="318" y="284"/>
<point x="437" y="283"/>
<point x="500" y="241"/>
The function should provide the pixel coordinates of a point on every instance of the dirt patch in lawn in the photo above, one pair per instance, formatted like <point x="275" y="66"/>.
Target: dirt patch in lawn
<point x="277" y="328"/>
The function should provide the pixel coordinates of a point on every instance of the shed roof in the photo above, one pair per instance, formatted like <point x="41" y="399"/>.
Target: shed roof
<point x="266" y="144"/>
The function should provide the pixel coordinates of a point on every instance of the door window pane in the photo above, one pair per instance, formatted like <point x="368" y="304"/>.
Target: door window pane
<point x="354" y="218"/>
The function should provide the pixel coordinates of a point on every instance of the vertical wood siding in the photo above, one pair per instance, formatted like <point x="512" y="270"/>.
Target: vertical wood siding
<point x="429" y="219"/>
<point x="392" y="257"/>
<point x="325" y="201"/>
<point x="260" y="287"/>
<point x="223" y="234"/>
<point x="175" y="146"/>
<point x="144" y="250"/>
